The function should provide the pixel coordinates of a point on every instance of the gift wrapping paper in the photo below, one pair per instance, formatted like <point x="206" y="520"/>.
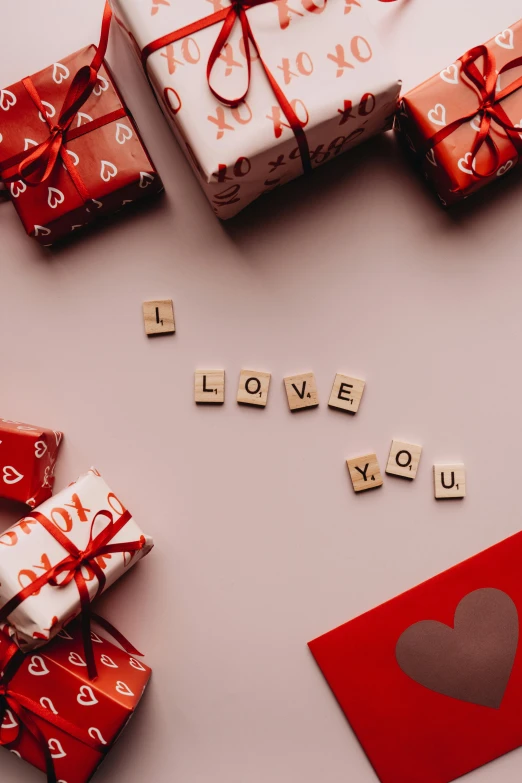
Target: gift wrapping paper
<point x="28" y="458"/>
<point x="55" y="679"/>
<point x="449" y="96"/>
<point x="325" y="57"/>
<point x="27" y="551"/>
<point x="111" y="160"/>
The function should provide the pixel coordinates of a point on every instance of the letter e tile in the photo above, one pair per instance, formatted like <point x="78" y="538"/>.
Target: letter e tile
<point x="346" y="393"/>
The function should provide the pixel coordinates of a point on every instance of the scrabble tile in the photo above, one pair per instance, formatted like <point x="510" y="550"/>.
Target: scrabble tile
<point x="253" y="388"/>
<point x="346" y="393"/>
<point x="159" y="317"/>
<point x="364" y="472"/>
<point x="301" y="391"/>
<point x="209" y="386"/>
<point x="404" y="459"/>
<point x="450" y="481"/>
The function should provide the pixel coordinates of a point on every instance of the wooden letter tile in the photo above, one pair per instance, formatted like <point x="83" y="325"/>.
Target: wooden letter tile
<point x="450" y="481"/>
<point x="346" y="393"/>
<point x="253" y="388"/>
<point x="404" y="459"/>
<point x="364" y="472"/>
<point x="209" y="386"/>
<point x="301" y="391"/>
<point x="159" y="317"/>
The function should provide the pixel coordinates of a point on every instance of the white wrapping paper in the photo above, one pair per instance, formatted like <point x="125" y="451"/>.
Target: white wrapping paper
<point x="326" y="58"/>
<point x="27" y="551"/>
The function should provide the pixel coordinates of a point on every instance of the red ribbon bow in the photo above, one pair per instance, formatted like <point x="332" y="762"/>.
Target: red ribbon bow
<point x="236" y="12"/>
<point x="489" y="108"/>
<point x="72" y="566"/>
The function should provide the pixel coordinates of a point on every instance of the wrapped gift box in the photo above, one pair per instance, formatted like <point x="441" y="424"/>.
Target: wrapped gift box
<point x="451" y="96"/>
<point x="110" y="158"/>
<point x="53" y="691"/>
<point x="28" y="458"/>
<point x="324" y="57"/>
<point x="28" y="552"/>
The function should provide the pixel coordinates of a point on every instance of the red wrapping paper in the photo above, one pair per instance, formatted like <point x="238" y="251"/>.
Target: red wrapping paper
<point x="56" y="680"/>
<point x="111" y="160"/>
<point x="27" y="461"/>
<point x="449" y="96"/>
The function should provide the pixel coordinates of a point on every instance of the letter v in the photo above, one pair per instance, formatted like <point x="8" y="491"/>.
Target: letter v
<point x="301" y="393"/>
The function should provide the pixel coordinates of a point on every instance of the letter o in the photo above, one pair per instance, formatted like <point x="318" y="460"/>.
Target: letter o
<point x="358" y="45"/>
<point x="408" y="458"/>
<point x="242" y="167"/>
<point x="363" y="109"/>
<point x="172" y="100"/>
<point x="190" y="50"/>
<point x="63" y="516"/>
<point x="303" y="60"/>
<point x="120" y="508"/>
<point x="257" y="389"/>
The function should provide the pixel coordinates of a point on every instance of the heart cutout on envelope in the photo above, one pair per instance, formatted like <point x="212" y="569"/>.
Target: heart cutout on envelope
<point x="473" y="660"/>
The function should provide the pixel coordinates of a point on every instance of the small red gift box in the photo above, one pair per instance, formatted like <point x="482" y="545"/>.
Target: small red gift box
<point x="464" y="124"/>
<point x="53" y="716"/>
<point x="69" y="148"/>
<point x="28" y="459"/>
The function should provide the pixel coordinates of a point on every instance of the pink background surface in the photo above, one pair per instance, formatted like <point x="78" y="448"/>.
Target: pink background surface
<point x="261" y="543"/>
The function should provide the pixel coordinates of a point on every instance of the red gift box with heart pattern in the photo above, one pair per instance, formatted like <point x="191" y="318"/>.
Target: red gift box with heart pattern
<point x="110" y="158"/>
<point x="460" y="101"/>
<point x="431" y="681"/>
<point x="28" y="460"/>
<point x="51" y="702"/>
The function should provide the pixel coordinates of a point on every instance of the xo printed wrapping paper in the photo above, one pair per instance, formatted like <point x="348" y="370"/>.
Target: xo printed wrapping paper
<point x="431" y="681"/>
<point x="27" y="460"/>
<point x="449" y="96"/>
<point x="111" y="160"/>
<point x="27" y="551"/>
<point x="325" y="57"/>
<point x="55" y="679"/>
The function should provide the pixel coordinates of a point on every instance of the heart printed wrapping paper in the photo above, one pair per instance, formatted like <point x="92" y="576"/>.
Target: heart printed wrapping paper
<point x="111" y="159"/>
<point x="27" y="461"/>
<point x="79" y="720"/>
<point x="28" y="552"/>
<point x="431" y="681"/>
<point x="449" y="96"/>
<point x="324" y="56"/>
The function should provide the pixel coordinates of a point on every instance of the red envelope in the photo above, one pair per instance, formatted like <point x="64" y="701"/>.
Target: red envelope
<point x="431" y="681"/>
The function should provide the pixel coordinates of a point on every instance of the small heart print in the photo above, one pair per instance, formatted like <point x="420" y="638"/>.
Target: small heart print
<point x="48" y="705"/>
<point x="475" y="123"/>
<point x="124" y="689"/>
<point x="437" y="115"/>
<point x="17" y="188"/>
<point x="108" y="170"/>
<point x="145" y="179"/>
<point x="505" y="39"/>
<point x="11" y="724"/>
<point x="96" y="734"/>
<point x="76" y="659"/>
<point x="74" y="157"/>
<point x="126" y="201"/>
<point x="98" y="204"/>
<point x="60" y="73"/>
<point x="86" y="696"/>
<point x="411" y="145"/>
<point x="96" y="638"/>
<point x="58" y="436"/>
<point x="109" y="662"/>
<point x="101" y="85"/>
<point x="465" y="160"/>
<point x="29" y="143"/>
<point x="39" y="449"/>
<point x="50" y="111"/>
<point x="136" y="665"/>
<point x="64" y="634"/>
<point x="504" y="169"/>
<point x="19" y="756"/>
<point x="7" y="99"/>
<point x="55" y="197"/>
<point x="57" y="751"/>
<point x="450" y="74"/>
<point x="81" y="116"/>
<point x="430" y="157"/>
<point x="41" y="230"/>
<point x="123" y="133"/>
<point x="37" y="667"/>
<point x="12" y="475"/>
<point x="78" y="225"/>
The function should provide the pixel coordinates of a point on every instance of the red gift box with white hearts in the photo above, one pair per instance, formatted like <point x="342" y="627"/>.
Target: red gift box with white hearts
<point x="443" y="120"/>
<point x="27" y="461"/>
<point x="52" y="706"/>
<point x="321" y="59"/>
<point x="109" y="158"/>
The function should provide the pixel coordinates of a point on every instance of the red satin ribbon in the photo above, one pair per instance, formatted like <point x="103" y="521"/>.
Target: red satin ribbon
<point x="489" y="108"/>
<point x="35" y="166"/>
<point x="26" y="708"/>
<point x="71" y="569"/>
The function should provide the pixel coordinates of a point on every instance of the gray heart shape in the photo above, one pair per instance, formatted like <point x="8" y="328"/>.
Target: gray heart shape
<point x="471" y="661"/>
